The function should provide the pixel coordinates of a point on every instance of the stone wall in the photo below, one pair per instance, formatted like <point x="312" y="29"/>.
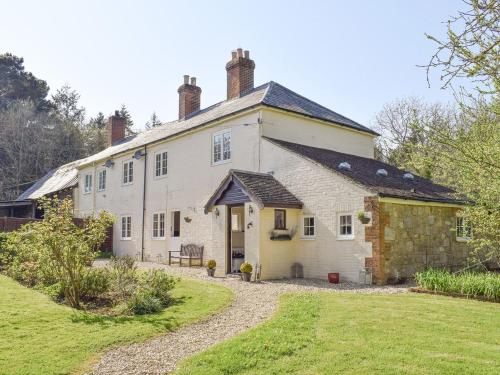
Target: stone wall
<point x="406" y="238"/>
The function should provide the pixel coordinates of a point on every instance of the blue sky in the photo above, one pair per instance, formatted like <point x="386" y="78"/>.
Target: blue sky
<point x="351" y="56"/>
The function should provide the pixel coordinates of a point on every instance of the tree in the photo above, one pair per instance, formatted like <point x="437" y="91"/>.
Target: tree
<point x="25" y="147"/>
<point x="95" y="134"/>
<point x="472" y="49"/>
<point x="129" y="123"/>
<point x="403" y="125"/>
<point x="468" y="156"/>
<point x="68" y="143"/>
<point x="17" y="84"/>
<point x="153" y="122"/>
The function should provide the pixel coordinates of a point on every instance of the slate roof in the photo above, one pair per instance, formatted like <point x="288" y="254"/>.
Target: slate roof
<point x="57" y="179"/>
<point x="262" y="188"/>
<point x="364" y="172"/>
<point x="270" y="94"/>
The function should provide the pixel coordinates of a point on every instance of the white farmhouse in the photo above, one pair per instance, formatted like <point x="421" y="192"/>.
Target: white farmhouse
<point x="272" y="178"/>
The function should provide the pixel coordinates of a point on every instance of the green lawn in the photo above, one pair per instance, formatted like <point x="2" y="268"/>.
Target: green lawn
<point x="327" y="333"/>
<point x="38" y="336"/>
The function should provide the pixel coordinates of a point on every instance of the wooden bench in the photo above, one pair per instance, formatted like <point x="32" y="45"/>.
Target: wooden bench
<point x="190" y="252"/>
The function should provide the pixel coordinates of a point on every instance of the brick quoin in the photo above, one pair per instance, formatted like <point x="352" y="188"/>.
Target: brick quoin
<point x="375" y="235"/>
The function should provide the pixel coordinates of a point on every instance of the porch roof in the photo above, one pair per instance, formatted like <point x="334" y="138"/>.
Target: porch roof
<point x="261" y="188"/>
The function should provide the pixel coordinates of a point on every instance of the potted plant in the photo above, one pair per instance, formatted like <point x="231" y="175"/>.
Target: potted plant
<point x="363" y="218"/>
<point x="246" y="271"/>
<point x="211" y="264"/>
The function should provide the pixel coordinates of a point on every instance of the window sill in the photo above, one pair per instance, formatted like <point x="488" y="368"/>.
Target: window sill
<point x="308" y="238"/>
<point x="87" y="192"/>
<point x="127" y="184"/>
<point x="160" y="177"/>
<point x="126" y="239"/>
<point x="158" y="238"/>
<point x="101" y="190"/>
<point x="221" y="162"/>
<point x="346" y="238"/>
<point x="463" y="239"/>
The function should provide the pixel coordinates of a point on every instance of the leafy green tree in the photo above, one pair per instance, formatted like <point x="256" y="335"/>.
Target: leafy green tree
<point x="468" y="156"/>
<point x="95" y="134"/>
<point x="18" y="84"/>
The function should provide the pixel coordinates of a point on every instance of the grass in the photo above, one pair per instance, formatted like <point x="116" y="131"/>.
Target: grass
<point x="472" y="284"/>
<point x="324" y="333"/>
<point x="38" y="336"/>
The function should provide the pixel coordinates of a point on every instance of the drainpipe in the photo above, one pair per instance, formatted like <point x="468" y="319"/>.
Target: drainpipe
<point x="144" y="201"/>
<point x="94" y="188"/>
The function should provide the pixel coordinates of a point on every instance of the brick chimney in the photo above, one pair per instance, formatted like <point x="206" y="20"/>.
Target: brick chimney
<point x="189" y="97"/>
<point x="239" y="73"/>
<point x="115" y="128"/>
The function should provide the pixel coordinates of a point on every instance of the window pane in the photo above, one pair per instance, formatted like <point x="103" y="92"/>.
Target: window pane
<point x="158" y="165"/>
<point x="227" y="146"/>
<point x="164" y="164"/>
<point x="217" y="148"/>
<point x="131" y="172"/>
<point x="125" y="173"/>
<point x="162" y="225"/>
<point x="279" y="219"/>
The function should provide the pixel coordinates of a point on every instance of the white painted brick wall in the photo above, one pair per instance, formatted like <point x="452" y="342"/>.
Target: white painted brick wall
<point x="325" y="194"/>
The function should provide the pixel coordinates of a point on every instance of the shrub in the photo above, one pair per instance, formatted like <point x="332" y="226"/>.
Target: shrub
<point x="123" y="275"/>
<point x="95" y="282"/>
<point x="54" y="291"/>
<point x="469" y="283"/>
<point x="144" y="302"/>
<point x="159" y="284"/>
<point x="211" y="264"/>
<point x="246" y="267"/>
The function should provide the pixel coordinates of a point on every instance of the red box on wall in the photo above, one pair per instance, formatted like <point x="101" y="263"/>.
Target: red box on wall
<point x="334" y="277"/>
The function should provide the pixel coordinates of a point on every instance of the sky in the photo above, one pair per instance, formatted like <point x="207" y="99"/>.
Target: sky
<point x="350" y="56"/>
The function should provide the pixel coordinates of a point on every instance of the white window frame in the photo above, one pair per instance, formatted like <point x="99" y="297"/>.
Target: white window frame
<point x="156" y="235"/>
<point x="99" y="174"/>
<point x="128" y="229"/>
<point x="341" y="236"/>
<point x="223" y="158"/>
<point x="163" y="160"/>
<point x="130" y="180"/>
<point x="465" y="227"/>
<point x="305" y="236"/>
<point x="87" y="183"/>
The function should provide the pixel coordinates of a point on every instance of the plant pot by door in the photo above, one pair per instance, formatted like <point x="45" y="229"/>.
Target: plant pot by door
<point x="211" y="272"/>
<point x="245" y="276"/>
<point x="334" y="277"/>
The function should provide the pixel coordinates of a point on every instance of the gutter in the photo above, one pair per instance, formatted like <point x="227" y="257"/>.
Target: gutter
<point x="144" y="201"/>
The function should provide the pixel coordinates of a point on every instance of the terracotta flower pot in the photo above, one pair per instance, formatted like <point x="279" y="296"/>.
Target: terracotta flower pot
<point x="334" y="277"/>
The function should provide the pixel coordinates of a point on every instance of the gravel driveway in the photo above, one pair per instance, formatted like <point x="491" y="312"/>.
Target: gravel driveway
<point x="253" y="303"/>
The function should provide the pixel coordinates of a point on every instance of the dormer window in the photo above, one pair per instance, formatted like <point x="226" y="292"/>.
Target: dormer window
<point x="221" y="147"/>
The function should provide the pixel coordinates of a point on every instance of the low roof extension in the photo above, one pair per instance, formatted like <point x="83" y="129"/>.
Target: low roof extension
<point x="369" y="173"/>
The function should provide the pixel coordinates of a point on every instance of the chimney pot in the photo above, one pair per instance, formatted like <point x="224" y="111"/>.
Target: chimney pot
<point x="193" y="81"/>
<point x="240" y="73"/>
<point x="186" y="79"/>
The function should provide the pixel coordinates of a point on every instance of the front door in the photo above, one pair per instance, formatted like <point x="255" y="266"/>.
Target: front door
<point x="175" y="230"/>
<point x="236" y="238"/>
